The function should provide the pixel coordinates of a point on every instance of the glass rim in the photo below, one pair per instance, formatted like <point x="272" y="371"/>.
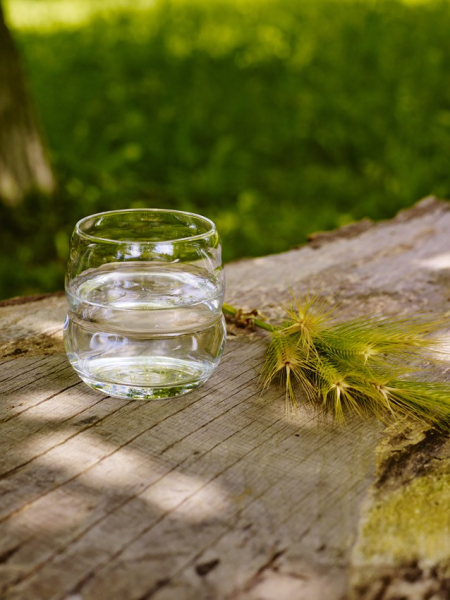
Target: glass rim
<point x="95" y="238"/>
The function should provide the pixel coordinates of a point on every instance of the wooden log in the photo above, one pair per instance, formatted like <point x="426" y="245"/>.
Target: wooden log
<point x="221" y="494"/>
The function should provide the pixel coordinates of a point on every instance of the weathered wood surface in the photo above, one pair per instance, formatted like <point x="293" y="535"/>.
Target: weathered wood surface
<point x="220" y="494"/>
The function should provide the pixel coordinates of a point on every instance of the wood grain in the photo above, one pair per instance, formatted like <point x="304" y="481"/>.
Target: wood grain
<point x="221" y="494"/>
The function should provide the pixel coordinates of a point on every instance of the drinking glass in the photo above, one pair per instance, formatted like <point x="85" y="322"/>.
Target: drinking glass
<point x="145" y="290"/>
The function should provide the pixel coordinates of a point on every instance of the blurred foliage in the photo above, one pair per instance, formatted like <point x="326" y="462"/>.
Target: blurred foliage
<point x="274" y="118"/>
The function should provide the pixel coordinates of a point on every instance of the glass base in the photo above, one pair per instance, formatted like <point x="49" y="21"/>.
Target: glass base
<point x="139" y="393"/>
<point x="143" y="378"/>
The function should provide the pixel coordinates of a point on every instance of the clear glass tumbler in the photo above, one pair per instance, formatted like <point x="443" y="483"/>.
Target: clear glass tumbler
<point x="145" y="290"/>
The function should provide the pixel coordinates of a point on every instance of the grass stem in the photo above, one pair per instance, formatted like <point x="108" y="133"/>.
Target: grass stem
<point x="232" y="311"/>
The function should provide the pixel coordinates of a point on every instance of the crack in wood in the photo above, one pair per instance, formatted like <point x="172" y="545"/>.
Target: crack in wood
<point x="19" y="414"/>
<point x="397" y="466"/>
<point x="204" y="568"/>
<point x="66" y="367"/>
<point x="23" y="371"/>
<point x="155" y="588"/>
<point x="7" y="554"/>
<point x="255" y="579"/>
<point x="89" y="422"/>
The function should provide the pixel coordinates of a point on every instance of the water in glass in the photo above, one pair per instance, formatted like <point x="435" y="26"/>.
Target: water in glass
<point x="145" y="329"/>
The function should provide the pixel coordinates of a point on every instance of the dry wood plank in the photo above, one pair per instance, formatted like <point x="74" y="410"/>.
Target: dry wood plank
<point x="221" y="494"/>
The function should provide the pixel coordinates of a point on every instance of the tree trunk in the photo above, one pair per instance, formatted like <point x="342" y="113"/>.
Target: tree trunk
<point x="24" y="166"/>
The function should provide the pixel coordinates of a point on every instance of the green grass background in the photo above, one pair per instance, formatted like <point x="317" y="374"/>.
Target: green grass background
<point x="274" y="118"/>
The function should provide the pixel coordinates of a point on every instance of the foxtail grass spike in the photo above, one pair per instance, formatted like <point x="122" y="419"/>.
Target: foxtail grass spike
<point x="364" y="365"/>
